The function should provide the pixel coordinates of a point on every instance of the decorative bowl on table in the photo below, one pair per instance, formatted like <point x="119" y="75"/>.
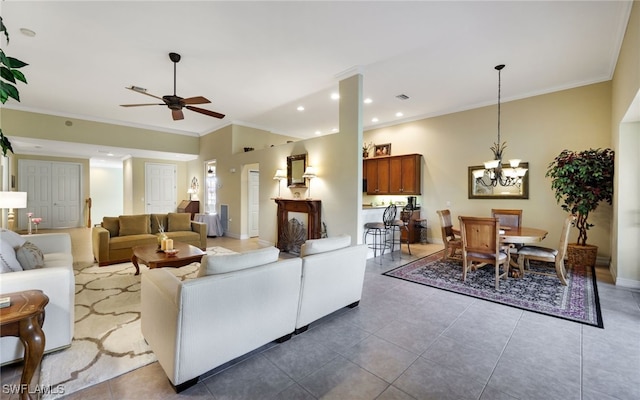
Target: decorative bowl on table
<point x="171" y="252"/>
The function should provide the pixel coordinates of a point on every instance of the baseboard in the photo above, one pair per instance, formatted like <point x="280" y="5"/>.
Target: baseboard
<point x="627" y="283"/>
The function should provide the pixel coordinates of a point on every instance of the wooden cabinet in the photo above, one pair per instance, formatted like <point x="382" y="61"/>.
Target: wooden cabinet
<point x="189" y="206"/>
<point x="376" y="172"/>
<point x="393" y="175"/>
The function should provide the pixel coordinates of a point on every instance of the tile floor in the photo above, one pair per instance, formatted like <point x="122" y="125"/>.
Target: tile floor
<point x="407" y="341"/>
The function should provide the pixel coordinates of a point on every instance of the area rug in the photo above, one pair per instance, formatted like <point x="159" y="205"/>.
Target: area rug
<point x="578" y="301"/>
<point x="107" y="340"/>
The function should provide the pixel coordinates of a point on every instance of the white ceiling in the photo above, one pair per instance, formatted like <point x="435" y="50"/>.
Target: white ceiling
<point x="257" y="61"/>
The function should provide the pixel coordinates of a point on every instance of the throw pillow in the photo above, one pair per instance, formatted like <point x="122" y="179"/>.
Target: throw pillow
<point x="12" y="238"/>
<point x="316" y="246"/>
<point x="134" y="224"/>
<point x="8" y="258"/>
<point x="112" y="224"/>
<point x="30" y="256"/>
<point x="179" y="222"/>
<point x="213" y="265"/>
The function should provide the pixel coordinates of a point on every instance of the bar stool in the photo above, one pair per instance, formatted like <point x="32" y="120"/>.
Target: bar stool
<point x="397" y="226"/>
<point x="378" y="231"/>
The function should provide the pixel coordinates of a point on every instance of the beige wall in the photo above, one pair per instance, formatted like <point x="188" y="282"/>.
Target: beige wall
<point x="536" y="129"/>
<point x="625" y="236"/>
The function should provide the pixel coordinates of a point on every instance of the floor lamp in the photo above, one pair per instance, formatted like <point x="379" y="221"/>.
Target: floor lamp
<point x="10" y="201"/>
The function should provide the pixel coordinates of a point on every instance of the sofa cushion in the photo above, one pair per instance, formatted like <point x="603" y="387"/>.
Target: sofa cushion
<point x="179" y="222"/>
<point x="8" y="257"/>
<point x="30" y="256"/>
<point x="134" y="224"/>
<point x="212" y="265"/>
<point x="130" y="241"/>
<point x="12" y="238"/>
<point x="316" y="246"/>
<point x="158" y="220"/>
<point x="112" y="224"/>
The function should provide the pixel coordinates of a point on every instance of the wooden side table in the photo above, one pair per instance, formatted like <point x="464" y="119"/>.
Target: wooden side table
<point x="24" y="319"/>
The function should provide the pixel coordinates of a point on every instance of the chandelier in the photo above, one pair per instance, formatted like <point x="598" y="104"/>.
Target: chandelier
<point x="493" y="173"/>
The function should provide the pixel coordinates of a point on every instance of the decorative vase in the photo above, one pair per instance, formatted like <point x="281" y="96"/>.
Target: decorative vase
<point x="582" y="255"/>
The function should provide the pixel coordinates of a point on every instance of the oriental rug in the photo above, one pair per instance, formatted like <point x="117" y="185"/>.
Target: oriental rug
<point x="107" y="340"/>
<point x="578" y="301"/>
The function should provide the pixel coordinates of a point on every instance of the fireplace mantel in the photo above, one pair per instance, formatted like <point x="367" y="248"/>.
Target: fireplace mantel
<point x="309" y="207"/>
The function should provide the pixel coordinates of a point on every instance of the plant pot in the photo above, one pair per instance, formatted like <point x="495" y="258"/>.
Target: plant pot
<point x="582" y="255"/>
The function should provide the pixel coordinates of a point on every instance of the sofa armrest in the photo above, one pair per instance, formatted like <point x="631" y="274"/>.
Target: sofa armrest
<point x="201" y="229"/>
<point x="100" y="243"/>
<point x="51" y="242"/>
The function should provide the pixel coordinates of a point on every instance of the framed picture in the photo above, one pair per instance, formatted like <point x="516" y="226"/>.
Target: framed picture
<point x="381" y="150"/>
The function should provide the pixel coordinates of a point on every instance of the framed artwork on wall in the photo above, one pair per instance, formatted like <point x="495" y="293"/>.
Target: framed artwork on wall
<point x="381" y="150"/>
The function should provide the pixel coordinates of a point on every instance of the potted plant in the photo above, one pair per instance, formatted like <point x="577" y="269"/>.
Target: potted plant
<point x="581" y="180"/>
<point x="8" y="75"/>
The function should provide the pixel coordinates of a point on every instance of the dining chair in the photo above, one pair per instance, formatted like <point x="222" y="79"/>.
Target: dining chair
<point x="509" y="218"/>
<point x="545" y="254"/>
<point x="481" y="244"/>
<point x="450" y="237"/>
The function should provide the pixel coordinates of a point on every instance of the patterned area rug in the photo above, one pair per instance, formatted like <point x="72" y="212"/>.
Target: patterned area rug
<point x="107" y="340"/>
<point x="578" y="301"/>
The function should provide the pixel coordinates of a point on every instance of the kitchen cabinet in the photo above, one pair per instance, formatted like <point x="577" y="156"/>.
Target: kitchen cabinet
<point x="393" y="175"/>
<point x="376" y="172"/>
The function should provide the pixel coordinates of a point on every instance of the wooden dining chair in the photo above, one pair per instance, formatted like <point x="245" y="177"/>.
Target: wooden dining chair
<point x="509" y="218"/>
<point x="450" y="237"/>
<point x="556" y="256"/>
<point x="481" y="244"/>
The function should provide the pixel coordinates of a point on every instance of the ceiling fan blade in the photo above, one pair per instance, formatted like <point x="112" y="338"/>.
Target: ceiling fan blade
<point x="145" y="104"/>
<point x="177" y="115"/>
<point x="140" y="90"/>
<point x="205" y="112"/>
<point x="196" y="100"/>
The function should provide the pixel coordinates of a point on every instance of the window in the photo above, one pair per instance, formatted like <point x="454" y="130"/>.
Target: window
<point x="211" y="183"/>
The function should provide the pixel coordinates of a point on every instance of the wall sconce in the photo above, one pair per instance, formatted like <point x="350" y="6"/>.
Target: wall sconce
<point x="10" y="201"/>
<point x="309" y="173"/>
<point x="279" y="176"/>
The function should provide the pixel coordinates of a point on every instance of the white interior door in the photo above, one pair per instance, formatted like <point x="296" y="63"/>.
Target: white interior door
<point x="54" y="193"/>
<point x="254" y="203"/>
<point x="160" y="188"/>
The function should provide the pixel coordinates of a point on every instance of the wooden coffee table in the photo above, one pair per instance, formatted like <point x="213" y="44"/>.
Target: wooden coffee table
<point x="150" y="256"/>
<point x="24" y="319"/>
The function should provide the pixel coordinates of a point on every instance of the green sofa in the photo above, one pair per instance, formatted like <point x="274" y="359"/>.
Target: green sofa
<point x="113" y="241"/>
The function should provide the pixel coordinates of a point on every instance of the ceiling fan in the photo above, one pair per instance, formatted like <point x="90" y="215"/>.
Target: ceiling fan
<point x="175" y="102"/>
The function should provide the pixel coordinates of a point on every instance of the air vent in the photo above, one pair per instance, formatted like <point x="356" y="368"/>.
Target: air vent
<point x="402" y="97"/>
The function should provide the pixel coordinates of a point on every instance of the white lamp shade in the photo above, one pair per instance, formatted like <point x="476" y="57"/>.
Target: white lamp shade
<point x="509" y="172"/>
<point x="309" y="173"/>
<point x="280" y="174"/>
<point x="514" y="162"/>
<point x="478" y="173"/>
<point x="13" y="199"/>
<point x="521" y="171"/>
<point x="492" y="164"/>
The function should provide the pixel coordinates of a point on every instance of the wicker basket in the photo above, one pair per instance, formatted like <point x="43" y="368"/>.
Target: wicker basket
<point x="582" y="255"/>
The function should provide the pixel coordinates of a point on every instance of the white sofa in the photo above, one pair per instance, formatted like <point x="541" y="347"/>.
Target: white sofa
<point x="332" y="277"/>
<point x="56" y="280"/>
<point x="242" y="302"/>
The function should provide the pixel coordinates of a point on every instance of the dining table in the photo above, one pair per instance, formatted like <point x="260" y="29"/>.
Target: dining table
<point x="521" y="235"/>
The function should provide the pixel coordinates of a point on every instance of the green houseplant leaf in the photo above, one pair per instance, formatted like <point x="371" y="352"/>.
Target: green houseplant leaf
<point x="581" y="180"/>
<point x="9" y="75"/>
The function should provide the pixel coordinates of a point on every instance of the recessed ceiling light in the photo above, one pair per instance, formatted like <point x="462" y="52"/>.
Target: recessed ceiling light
<point x="300" y="108"/>
<point x="374" y="119"/>
<point x="368" y="100"/>
<point x="334" y="130"/>
<point x="318" y="132"/>
<point x="335" y="96"/>
<point x="399" y="114"/>
<point x="27" y="32"/>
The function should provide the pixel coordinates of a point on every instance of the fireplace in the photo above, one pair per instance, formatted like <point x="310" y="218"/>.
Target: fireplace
<point x="309" y="207"/>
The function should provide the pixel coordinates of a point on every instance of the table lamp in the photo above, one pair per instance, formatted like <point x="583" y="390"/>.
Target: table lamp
<point x="10" y="201"/>
<point x="309" y="173"/>
<point x="279" y="176"/>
